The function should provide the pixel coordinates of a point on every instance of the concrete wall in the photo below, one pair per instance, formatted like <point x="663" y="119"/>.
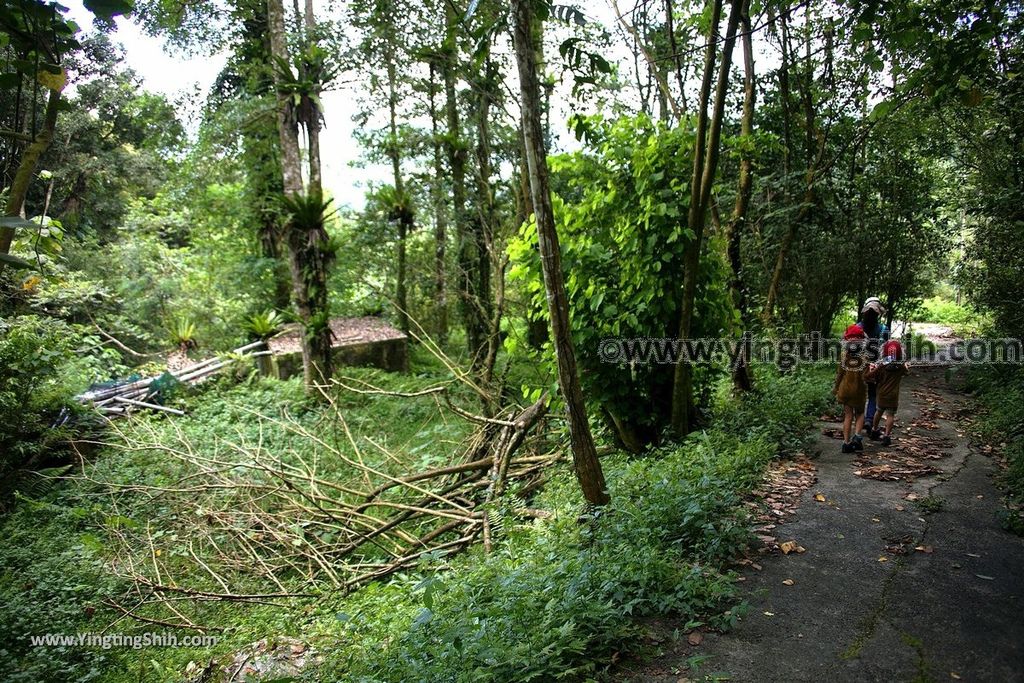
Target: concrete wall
<point x="391" y="355"/>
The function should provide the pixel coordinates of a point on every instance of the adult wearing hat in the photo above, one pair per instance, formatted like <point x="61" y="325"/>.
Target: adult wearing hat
<point x="877" y="333"/>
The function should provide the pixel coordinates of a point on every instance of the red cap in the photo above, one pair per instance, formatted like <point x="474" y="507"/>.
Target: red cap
<point x="854" y="332"/>
<point x="893" y="348"/>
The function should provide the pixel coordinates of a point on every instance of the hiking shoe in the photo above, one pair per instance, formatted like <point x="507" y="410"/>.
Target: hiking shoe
<point x="886" y="440"/>
<point x="875" y="434"/>
<point x="858" y="444"/>
<point x="848" y="448"/>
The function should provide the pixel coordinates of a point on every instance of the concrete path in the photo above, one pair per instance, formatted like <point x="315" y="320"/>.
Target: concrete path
<point x="900" y="581"/>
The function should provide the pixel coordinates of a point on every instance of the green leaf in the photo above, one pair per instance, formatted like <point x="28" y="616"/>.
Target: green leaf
<point x="108" y="9"/>
<point x="881" y="109"/>
<point x="425" y="616"/>
<point x="863" y="32"/>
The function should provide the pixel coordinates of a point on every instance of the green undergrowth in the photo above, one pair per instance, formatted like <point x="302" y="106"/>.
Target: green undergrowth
<point x="58" y="538"/>
<point x="962" y="319"/>
<point x="556" y="599"/>
<point x="1000" y="424"/>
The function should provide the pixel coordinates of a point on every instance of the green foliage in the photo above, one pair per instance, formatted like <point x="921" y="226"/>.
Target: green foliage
<point x="313" y="69"/>
<point x="263" y="325"/>
<point x="1000" y="424"/>
<point x="52" y="579"/>
<point x="175" y="263"/>
<point x="182" y="333"/>
<point x="557" y="599"/>
<point x="794" y="402"/>
<point x="41" y="368"/>
<point x="621" y="213"/>
<point x="307" y="211"/>
<point x="945" y="312"/>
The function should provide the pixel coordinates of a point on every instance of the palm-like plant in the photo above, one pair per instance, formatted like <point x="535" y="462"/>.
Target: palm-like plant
<point x="183" y="334"/>
<point x="263" y="325"/>
<point x="307" y="211"/>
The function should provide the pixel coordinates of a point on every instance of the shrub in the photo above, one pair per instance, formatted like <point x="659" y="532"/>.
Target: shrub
<point x="38" y="371"/>
<point x="1001" y="420"/>
<point x="623" y="233"/>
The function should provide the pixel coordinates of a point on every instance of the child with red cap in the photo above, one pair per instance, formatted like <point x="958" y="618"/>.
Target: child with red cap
<point x="851" y="389"/>
<point x="890" y="373"/>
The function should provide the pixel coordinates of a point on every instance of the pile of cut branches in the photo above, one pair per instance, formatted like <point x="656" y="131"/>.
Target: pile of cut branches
<point x="255" y="526"/>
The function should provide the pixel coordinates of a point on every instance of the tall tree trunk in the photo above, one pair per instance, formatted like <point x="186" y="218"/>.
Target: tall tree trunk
<point x="270" y="247"/>
<point x="287" y="127"/>
<point x="307" y="259"/>
<point x="536" y="327"/>
<point x="440" y="223"/>
<point x="260" y="157"/>
<point x="677" y="60"/>
<point x="705" y="164"/>
<point x="401" y="211"/>
<point x="742" y="378"/>
<point x="311" y="110"/>
<point x="588" y="467"/>
<point x="27" y="168"/>
<point x="488" y="310"/>
<point x="456" y="151"/>
<point x="814" y="153"/>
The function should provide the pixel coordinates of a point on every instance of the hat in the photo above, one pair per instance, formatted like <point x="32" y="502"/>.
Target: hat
<point x="873" y="303"/>
<point x="893" y="349"/>
<point x="854" y="331"/>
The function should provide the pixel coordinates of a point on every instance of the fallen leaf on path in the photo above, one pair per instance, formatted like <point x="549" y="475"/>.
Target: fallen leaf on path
<point x="986" y="578"/>
<point x="769" y="614"/>
<point x="695" y="638"/>
<point x="788" y="582"/>
<point x="788" y="547"/>
<point x="972" y="555"/>
<point x="954" y="675"/>
<point x="883" y="558"/>
<point x="875" y="519"/>
<point x="819" y="497"/>
<point x="924" y="549"/>
<point x="900" y="508"/>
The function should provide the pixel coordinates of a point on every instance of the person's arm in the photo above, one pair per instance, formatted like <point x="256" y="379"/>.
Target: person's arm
<point x="872" y="372"/>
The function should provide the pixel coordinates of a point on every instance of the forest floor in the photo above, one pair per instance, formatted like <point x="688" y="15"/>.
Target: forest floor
<point x="907" y="574"/>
